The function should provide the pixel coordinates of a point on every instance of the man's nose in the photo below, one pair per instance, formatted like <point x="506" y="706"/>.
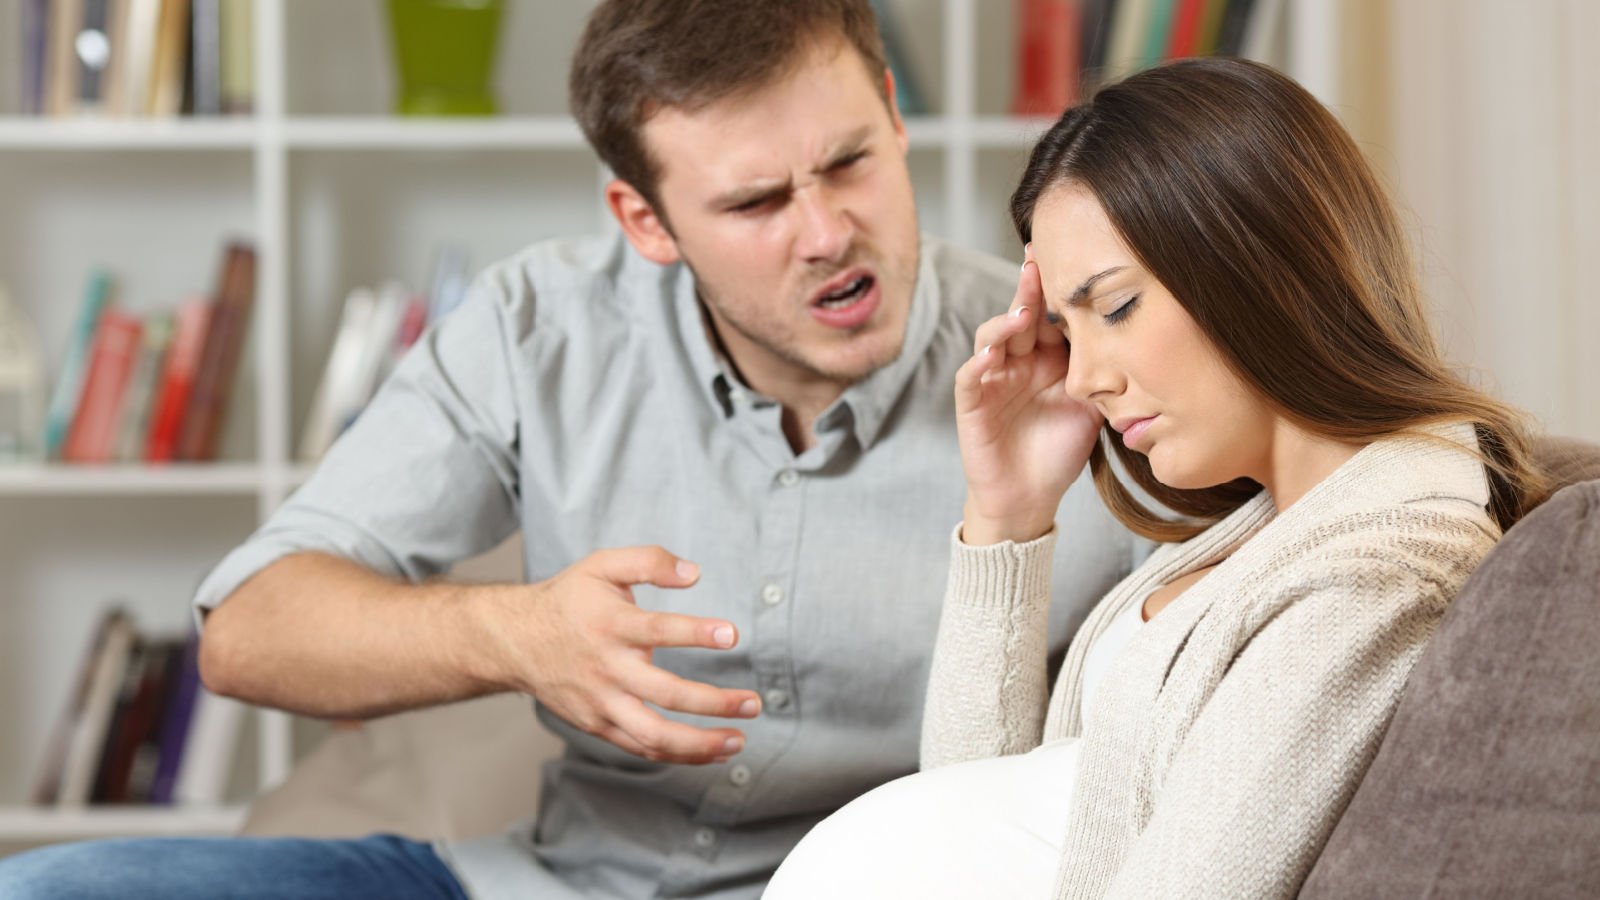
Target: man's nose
<point x="825" y="229"/>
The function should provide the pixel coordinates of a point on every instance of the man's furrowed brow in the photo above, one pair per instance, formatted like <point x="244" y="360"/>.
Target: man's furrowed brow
<point x="749" y="193"/>
<point x="843" y="147"/>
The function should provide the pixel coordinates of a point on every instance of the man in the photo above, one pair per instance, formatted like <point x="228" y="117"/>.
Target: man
<point x="727" y="437"/>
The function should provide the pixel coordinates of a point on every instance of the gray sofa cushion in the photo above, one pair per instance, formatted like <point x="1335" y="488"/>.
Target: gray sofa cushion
<point x="1487" y="783"/>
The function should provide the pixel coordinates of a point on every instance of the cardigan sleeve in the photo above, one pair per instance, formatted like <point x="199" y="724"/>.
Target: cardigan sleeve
<point x="987" y="689"/>
<point x="1257" y="783"/>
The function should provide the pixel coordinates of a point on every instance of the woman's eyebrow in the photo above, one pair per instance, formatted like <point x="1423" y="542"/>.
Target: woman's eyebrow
<point x="1081" y="293"/>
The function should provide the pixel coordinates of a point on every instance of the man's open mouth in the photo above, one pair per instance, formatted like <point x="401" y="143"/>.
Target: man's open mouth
<point x="846" y="295"/>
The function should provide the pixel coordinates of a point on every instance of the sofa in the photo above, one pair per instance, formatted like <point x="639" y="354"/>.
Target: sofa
<point x="1487" y="783"/>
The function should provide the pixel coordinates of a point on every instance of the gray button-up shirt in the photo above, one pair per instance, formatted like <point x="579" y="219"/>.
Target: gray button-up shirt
<point x="577" y="396"/>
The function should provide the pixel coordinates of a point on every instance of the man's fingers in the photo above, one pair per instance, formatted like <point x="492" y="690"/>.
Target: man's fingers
<point x="642" y="565"/>
<point x="659" y="629"/>
<point x="666" y="740"/>
<point x="668" y="691"/>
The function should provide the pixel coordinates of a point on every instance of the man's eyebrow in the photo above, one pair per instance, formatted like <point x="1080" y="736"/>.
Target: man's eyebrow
<point x="843" y="147"/>
<point x="762" y="190"/>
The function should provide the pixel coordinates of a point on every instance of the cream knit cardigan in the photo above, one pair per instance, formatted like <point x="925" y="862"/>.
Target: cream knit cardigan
<point x="1233" y="730"/>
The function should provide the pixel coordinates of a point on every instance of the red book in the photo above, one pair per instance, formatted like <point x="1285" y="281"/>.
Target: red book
<point x="177" y="379"/>
<point x="219" y="358"/>
<point x="93" y="436"/>
<point x="1186" y="28"/>
<point x="1047" y="57"/>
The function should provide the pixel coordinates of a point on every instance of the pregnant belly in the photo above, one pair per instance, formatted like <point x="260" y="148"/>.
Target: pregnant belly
<point x="980" y="829"/>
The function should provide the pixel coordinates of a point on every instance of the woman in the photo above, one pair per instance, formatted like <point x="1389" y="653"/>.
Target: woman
<point x="1217" y="289"/>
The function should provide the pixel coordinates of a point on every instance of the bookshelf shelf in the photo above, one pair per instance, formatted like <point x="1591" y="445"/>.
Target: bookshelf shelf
<point x="17" y="132"/>
<point x="133" y="479"/>
<point x="382" y="133"/>
<point x="33" y="823"/>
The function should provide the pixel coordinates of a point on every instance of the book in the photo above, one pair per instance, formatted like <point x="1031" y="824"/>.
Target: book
<point x="167" y="65"/>
<point x="176" y="381"/>
<point x="1188" y="18"/>
<point x="134" y="427"/>
<point x="205" y="60"/>
<point x="908" y="93"/>
<point x="69" y="386"/>
<point x="238" y="74"/>
<point x="35" y="34"/>
<point x="1158" y="33"/>
<point x="336" y="399"/>
<point x="219" y="358"/>
<point x="1095" y="35"/>
<point x="141" y="24"/>
<point x="61" y="71"/>
<point x="147" y="748"/>
<point x="1264" y="35"/>
<point x="1048" y="42"/>
<point x="1211" y="27"/>
<point x="175" y="720"/>
<point x="1231" y="32"/>
<point x="93" y="717"/>
<point x="127" y="694"/>
<point x="1129" y="23"/>
<point x="92" y="437"/>
<point x="47" y="784"/>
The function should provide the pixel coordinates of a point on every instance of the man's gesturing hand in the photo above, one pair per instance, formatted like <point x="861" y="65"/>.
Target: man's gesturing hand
<point x="582" y="648"/>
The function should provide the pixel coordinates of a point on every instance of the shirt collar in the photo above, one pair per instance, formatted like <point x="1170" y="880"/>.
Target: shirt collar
<point x="867" y="402"/>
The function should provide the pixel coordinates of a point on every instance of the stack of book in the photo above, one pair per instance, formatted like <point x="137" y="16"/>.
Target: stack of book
<point x="138" y="726"/>
<point x="376" y="328"/>
<point x="137" y="57"/>
<point x="1066" y="47"/>
<point x="150" y="388"/>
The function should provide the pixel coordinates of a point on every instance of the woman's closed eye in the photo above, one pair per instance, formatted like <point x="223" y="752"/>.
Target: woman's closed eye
<point x="1122" y="312"/>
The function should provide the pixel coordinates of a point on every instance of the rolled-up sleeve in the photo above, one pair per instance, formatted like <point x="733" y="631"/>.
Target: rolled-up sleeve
<point x="427" y="475"/>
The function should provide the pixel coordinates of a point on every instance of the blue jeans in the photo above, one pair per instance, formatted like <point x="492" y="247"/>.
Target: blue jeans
<point x="382" y="865"/>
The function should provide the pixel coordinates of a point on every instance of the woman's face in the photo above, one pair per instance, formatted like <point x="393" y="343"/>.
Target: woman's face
<point x="1136" y="354"/>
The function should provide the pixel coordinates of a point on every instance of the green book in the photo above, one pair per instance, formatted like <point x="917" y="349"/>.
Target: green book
<point x="69" y="388"/>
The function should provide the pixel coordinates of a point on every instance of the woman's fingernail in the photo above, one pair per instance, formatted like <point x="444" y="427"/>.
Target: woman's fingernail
<point x="985" y="350"/>
<point x="1019" y="312"/>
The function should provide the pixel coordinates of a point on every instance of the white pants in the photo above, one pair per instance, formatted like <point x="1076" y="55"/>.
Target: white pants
<point x="981" y="829"/>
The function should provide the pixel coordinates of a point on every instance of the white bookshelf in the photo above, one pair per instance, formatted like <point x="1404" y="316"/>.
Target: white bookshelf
<point x="334" y="193"/>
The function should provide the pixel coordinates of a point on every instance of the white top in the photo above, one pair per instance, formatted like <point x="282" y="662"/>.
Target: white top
<point x="985" y="828"/>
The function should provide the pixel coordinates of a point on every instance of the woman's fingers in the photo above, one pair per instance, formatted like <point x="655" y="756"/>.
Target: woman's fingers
<point x="1027" y="307"/>
<point x="969" y="378"/>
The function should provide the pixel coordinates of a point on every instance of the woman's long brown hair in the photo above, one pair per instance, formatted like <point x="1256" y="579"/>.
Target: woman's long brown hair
<point x="1242" y="195"/>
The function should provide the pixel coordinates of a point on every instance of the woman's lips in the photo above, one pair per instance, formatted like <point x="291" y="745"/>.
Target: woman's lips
<point x="1133" y="430"/>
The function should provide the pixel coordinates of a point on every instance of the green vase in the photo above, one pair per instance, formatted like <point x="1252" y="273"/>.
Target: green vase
<point x="444" y="55"/>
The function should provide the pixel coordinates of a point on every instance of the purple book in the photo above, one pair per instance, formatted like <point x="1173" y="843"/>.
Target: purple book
<point x="34" y="16"/>
<point x="175" y="722"/>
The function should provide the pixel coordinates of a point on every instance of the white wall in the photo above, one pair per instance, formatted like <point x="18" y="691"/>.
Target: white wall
<point x="1494" y="143"/>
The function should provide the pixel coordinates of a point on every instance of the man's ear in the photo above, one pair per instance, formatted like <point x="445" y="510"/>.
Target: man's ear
<point x="643" y="228"/>
<point x="900" y="135"/>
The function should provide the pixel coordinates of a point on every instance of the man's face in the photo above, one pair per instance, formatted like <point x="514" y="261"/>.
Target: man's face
<point x="793" y="207"/>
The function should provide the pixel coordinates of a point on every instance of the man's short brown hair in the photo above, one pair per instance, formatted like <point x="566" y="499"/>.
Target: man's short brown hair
<point x="637" y="57"/>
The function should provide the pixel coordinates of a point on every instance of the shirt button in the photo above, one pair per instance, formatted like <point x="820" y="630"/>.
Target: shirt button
<point x="772" y="595"/>
<point x="736" y="395"/>
<point x="705" y="837"/>
<point x="788" y="478"/>
<point x="739" y="775"/>
<point x="776" y="698"/>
